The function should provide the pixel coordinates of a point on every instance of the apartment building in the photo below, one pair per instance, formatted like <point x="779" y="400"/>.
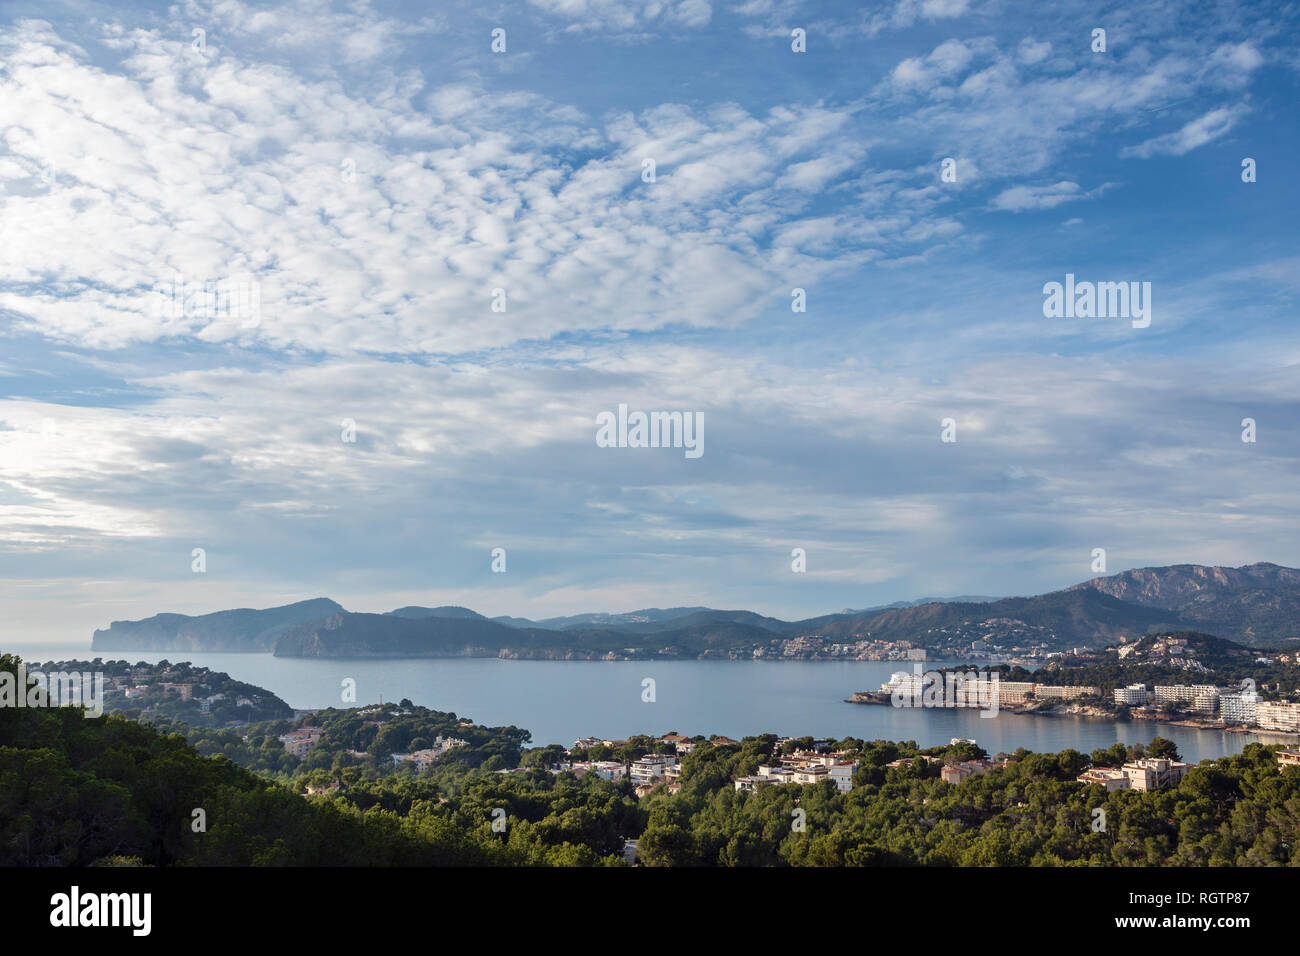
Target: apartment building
<point x="604" y="769"/>
<point x="1134" y="695"/>
<point x="811" y="768"/>
<point x="651" y="767"/>
<point x="1155" y="773"/>
<point x="1201" y="698"/>
<point x="842" y="773"/>
<point x="978" y="693"/>
<point x="1059" y="692"/>
<point x="1108" y="777"/>
<point x="186" y="691"/>
<point x="1012" y="692"/>
<point x="1240" y="708"/>
<point x="813" y="773"/>
<point x="1278" y="715"/>
<point x="298" y="742"/>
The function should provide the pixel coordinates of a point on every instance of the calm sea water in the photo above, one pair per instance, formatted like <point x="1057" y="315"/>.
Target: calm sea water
<point x="560" y="701"/>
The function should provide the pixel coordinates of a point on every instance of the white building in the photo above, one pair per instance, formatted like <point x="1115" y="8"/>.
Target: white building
<point x="1108" y="777"/>
<point x="842" y="773"/>
<point x="1239" y="708"/>
<point x="813" y="773"/>
<point x="1134" y="695"/>
<point x="1058" y="692"/>
<point x="1202" y="698"/>
<point x="604" y="769"/>
<point x="803" y="769"/>
<point x="1155" y="774"/>
<point x="1278" y="715"/>
<point x="422" y="759"/>
<point x="651" y="767"/>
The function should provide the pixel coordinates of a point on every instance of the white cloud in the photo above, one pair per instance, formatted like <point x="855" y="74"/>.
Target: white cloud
<point x="203" y="166"/>
<point x="907" y="12"/>
<point x="1025" y="198"/>
<point x="948" y="60"/>
<point x="1032" y="51"/>
<point x="1204" y="129"/>
<point x="627" y="15"/>
<point x="1232" y="64"/>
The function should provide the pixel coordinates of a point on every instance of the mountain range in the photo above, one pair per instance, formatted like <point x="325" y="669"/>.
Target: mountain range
<point x="1257" y="605"/>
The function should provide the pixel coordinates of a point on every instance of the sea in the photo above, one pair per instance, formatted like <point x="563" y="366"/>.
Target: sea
<point x="561" y="701"/>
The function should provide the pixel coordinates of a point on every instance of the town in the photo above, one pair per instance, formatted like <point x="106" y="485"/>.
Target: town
<point x="181" y="691"/>
<point x="1201" y="705"/>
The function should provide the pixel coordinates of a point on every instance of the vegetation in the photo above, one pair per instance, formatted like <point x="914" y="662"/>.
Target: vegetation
<point x="363" y="738"/>
<point x="76" y="790"/>
<point x="1206" y="660"/>
<point x="1240" y="811"/>
<point x="216" y="698"/>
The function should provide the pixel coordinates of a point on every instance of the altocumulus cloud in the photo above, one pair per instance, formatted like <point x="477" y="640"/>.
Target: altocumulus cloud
<point x="379" y="181"/>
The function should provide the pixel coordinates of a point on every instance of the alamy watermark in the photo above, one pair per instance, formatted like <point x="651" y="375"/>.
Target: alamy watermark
<point x="946" y="689"/>
<point x="59" y="689"/>
<point x="1098" y="300"/>
<point x="237" y="298"/>
<point x="652" y="430"/>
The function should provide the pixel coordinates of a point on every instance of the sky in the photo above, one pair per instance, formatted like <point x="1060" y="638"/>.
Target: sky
<point x="447" y="260"/>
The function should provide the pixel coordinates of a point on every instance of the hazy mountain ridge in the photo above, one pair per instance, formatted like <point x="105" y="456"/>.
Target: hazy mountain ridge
<point x="445" y="610"/>
<point x="241" y="629"/>
<point x="1256" y="605"/>
<point x="1077" y="617"/>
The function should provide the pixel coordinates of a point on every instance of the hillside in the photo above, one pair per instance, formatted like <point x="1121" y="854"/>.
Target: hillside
<point x="1062" y="618"/>
<point x="1258" y="604"/>
<point x="243" y="629"/>
<point x="383" y="635"/>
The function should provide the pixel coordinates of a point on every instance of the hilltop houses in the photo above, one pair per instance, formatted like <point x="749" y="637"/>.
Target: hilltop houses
<point x="1157" y="773"/>
<point x="803" y="767"/>
<point x="298" y="742"/>
<point x="422" y="759"/>
<point x="957" y="772"/>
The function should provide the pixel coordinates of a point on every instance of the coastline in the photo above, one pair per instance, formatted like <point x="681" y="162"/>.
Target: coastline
<point x="1088" y="712"/>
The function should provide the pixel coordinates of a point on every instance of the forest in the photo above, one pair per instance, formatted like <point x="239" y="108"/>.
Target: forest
<point x="77" y="791"/>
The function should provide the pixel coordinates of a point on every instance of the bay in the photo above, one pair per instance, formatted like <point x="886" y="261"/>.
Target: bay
<point x="560" y="701"/>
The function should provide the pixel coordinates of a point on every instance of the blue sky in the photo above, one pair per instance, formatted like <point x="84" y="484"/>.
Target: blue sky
<point x="376" y="170"/>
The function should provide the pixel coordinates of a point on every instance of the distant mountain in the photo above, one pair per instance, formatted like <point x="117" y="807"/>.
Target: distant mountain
<point x="652" y="620"/>
<point x="960" y="599"/>
<point x="446" y="610"/>
<point x="1257" y="605"/>
<point x="1060" y="619"/>
<point x="630" y="619"/>
<point x="346" y="635"/>
<point x="509" y="621"/>
<point x="243" y="629"/>
<point x="705" y="617"/>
